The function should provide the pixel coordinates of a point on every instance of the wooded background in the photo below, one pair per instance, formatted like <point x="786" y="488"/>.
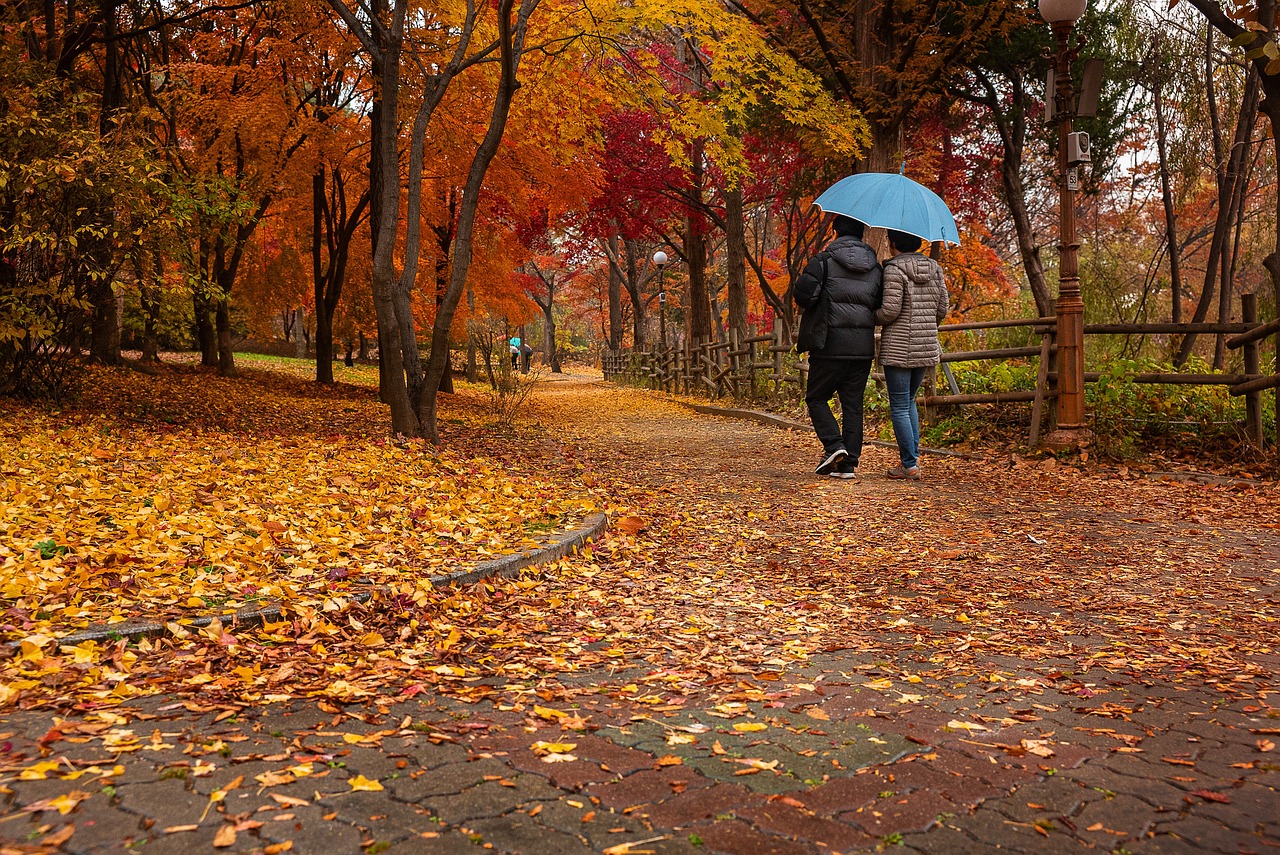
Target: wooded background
<point x="413" y="178"/>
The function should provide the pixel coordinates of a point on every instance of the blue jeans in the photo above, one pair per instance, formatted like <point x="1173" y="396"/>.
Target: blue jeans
<point x="903" y="385"/>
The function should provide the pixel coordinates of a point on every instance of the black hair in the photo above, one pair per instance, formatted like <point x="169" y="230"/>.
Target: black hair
<point x="904" y="242"/>
<point x="848" y="227"/>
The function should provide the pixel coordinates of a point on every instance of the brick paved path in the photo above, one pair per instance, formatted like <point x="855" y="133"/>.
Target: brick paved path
<point x="868" y="746"/>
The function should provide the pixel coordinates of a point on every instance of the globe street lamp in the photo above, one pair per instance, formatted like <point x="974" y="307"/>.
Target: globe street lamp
<point x="1069" y="308"/>
<point x="660" y="259"/>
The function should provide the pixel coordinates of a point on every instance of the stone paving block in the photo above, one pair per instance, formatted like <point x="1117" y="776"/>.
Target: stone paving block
<point x="1052" y="797"/>
<point x="648" y="787"/>
<point x="787" y="821"/>
<point x="375" y="763"/>
<point x="1121" y="818"/>
<point x="735" y="836"/>
<point x="941" y="841"/>
<point x="767" y="782"/>
<point x="1210" y="836"/>
<point x="224" y="774"/>
<point x="844" y="794"/>
<point x="919" y="775"/>
<point x="698" y="805"/>
<point x="525" y="836"/>
<point x="615" y="757"/>
<point x="1164" y="844"/>
<point x="1160" y="794"/>
<point x="444" y="843"/>
<point x="572" y="776"/>
<point x="169" y="802"/>
<point x="1252" y="807"/>
<point x="600" y="830"/>
<point x="427" y="755"/>
<point x="29" y="792"/>
<point x="99" y="824"/>
<point x="180" y="843"/>
<point x="382" y="818"/>
<point x="489" y="799"/>
<point x="306" y="826"/>
<point x="995" y="832"/>
<point x="444" y="780"/>
<point x="915" y="811"/>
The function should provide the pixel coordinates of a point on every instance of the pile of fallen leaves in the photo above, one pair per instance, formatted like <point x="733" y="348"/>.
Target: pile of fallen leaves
<point x="161" y="498"/>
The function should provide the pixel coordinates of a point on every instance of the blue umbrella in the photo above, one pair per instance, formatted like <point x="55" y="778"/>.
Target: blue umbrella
<point x="889" y="201"/>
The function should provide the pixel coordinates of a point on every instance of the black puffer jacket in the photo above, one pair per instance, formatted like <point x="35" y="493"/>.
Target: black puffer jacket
<point x="839" y="314"/>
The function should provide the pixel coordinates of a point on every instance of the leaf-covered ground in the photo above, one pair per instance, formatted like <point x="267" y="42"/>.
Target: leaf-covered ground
<point x="182" y="494"/>
<point x="727" y="567"/>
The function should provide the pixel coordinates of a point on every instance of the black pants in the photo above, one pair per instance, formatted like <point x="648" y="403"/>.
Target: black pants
<point x="848" y="379"/>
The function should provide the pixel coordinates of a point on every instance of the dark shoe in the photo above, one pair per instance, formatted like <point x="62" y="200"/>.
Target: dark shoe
<point x="899" y="473"/>
<point x="845" y="471"/>
<point x="830" y="460"/>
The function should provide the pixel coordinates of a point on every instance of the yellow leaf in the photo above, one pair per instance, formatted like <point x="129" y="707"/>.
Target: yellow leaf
<point x="39" y="771"/>
<point x="362" y="784"/>
<point x="956" y="724"/>
<point x="547" y="713"/>
<point x="750" y="726"/>
<point x="226" y="836"/>
<point x="541" y="747"/>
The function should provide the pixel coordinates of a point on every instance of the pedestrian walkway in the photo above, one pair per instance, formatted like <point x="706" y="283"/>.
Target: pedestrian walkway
<point x="756" y="661"/>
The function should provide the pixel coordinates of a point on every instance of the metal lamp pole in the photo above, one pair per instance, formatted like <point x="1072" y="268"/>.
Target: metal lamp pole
<point x="660" y="259"/>
<point x="1070" y="430"/>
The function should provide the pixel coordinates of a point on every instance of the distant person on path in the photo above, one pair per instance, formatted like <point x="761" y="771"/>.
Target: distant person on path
<point x="839" y="292"/>
<point x="526" y="353"/>
<point x="915" y="302"/>
<point x="515" y="353"/>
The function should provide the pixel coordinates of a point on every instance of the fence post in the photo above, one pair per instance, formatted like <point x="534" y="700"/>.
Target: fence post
<point x="776" y="353"/>
<point x="1252" y="365"/>
<point x="1042" y="387"/>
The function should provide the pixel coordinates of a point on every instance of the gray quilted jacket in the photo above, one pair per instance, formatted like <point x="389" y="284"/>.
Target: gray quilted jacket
<point x="915" y="302"/>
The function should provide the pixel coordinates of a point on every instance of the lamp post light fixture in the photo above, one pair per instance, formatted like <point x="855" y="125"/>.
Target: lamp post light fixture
<point x="1070" y="430"/>
<point x="660" y="259"/>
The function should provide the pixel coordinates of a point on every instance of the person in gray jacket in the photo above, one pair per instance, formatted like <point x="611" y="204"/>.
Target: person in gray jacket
<point x="915" y="302"/>
<point x="839" y="292"/>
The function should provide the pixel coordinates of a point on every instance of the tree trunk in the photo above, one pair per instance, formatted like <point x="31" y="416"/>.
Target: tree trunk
<point x="735" y="259"/>
<point x="695" y="257"/>
<point x="226" y="356"/>
<point x="105" y="325"/>
<point x="150" y="318"/>
<point x="324" y="320"/>
<point x="511" y="37"/>
<point x="385" y="177"/>
<point x="550" y="353"/>
<point x="300" y="343"/>
<point x="205" y="337"/>
<point x="615" y="300"/>
<point x="1227" y="278"/>
<point x="1170" y="216"/>
<point x="1229" y="172"/>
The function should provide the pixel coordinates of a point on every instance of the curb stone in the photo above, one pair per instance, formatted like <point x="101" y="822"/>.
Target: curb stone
<point x="504" y="567"/>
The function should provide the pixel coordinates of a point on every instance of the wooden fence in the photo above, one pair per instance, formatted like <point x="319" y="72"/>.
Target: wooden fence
<point x="752" y="367"/>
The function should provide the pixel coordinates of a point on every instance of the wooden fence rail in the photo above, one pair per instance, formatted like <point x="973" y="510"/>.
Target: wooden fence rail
<point x="754" y="366"/>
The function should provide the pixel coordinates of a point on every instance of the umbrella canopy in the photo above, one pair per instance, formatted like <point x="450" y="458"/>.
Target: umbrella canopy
<point x="887" y="200"/>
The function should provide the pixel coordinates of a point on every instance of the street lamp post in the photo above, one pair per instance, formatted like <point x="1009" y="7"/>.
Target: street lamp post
<point x="1070" y="430"/>
<point x="660" y="259"/>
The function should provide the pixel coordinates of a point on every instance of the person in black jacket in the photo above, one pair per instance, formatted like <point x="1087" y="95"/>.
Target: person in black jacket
<point x="839" y="293"/>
